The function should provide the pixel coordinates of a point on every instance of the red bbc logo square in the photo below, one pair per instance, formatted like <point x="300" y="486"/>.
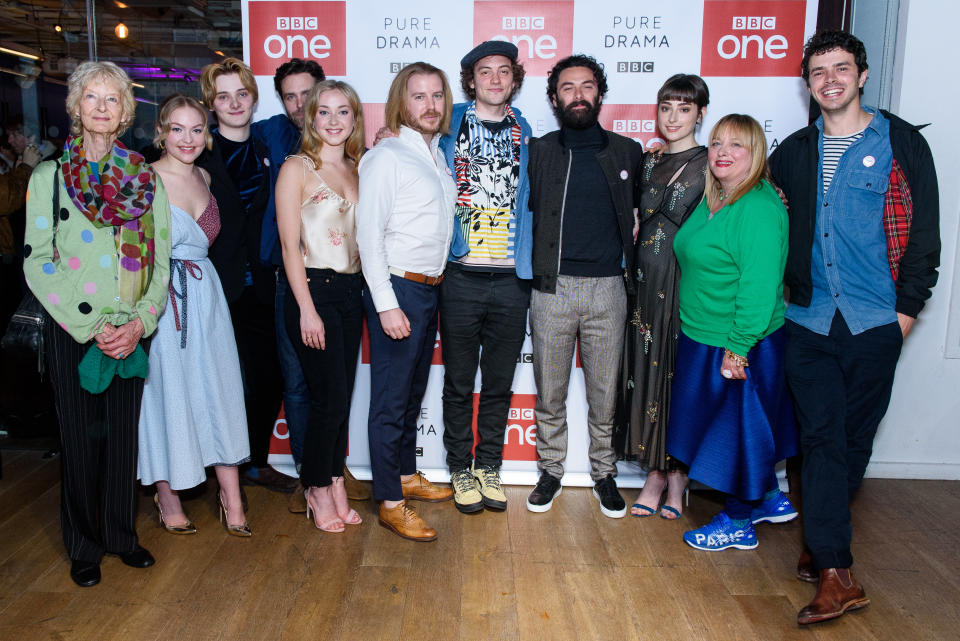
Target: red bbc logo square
<point x="542" y="31"/>
<point x="633" y="121"/>
<point x="280" y="438"/>
<point x="308" y="30"/>
<point x="753" y="38"/>
<point x="520" y="438"/>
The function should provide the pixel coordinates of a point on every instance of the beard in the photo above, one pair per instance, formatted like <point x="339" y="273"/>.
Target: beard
<point x="423" y="126"/>
<point x="578" y="119"/>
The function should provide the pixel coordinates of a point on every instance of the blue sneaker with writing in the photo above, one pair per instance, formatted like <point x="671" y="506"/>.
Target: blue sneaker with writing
<point x="720" y="534"/>
<point x="779" y="509"/>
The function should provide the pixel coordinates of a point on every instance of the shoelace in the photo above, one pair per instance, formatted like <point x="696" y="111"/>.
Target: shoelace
<point x="463" y="481"/>
<point x="408" y="513"/>
<point x="490" y="478"/>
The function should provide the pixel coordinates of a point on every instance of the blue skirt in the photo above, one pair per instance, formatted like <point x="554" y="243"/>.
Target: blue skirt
<point x="731" y="433"/>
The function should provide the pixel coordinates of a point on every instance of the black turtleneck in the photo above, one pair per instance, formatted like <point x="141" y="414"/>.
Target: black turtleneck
<point x="591" y="234"/>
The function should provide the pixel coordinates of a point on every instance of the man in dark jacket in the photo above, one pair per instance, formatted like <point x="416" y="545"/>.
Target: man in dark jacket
<point x="582" y="203"/>
<point x="239" y="179"/>
<point x="863" y="255"/>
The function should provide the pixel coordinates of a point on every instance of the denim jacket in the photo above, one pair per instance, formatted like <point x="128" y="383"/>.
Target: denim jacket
<point x="849" y="265"/>
<point x="523" y="250"/>
<point x="282" y="138"/>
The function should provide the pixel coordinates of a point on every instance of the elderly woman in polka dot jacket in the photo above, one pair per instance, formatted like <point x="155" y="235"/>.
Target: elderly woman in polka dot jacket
<point x="101" y="271"/>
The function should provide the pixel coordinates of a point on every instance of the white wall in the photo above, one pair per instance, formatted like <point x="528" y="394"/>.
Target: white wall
<point x="919" y="437"/>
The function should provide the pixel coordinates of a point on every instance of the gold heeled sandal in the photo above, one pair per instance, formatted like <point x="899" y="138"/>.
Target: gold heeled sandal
<point x="234" y="530"/>
<point x="187" y="528"/>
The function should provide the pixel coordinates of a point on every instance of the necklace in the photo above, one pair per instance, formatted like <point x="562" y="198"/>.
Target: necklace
<point x="722" y="196"/>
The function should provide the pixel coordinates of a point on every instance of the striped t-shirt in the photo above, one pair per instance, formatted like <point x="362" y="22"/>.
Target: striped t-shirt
<point x="833" y="148"/>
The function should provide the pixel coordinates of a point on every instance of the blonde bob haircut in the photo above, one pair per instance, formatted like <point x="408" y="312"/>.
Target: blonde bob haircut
<point x="312" y="143"/>
<point x="396" y="111"/>
<point x="210" y="73"/>
<point x="749" y="132"/>
<point x="170" y="104"/>
<point x="107" y="73"/>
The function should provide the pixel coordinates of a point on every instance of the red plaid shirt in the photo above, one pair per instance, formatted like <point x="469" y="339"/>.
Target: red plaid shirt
<point x="897" y="216"/>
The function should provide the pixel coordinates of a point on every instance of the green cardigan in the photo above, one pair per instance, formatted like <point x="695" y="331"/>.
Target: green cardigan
<point x="731" y="271"/>
<point x="79" y="288"/>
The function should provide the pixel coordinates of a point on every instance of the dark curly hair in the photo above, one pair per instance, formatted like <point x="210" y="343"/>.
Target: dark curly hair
<point x="577" y="60"/>
<point x="466" y="77"/>
<point x="296" y="65"/>
<point x="824" y="41"/>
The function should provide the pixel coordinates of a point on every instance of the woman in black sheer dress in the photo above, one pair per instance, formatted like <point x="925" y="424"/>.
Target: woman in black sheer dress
<point x="669" y="186"/>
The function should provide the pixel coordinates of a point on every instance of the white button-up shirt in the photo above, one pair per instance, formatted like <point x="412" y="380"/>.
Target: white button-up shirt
<point x="404" y="212"/>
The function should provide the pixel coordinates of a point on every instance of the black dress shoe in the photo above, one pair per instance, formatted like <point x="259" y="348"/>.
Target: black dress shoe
<point x="85" y="573"/>
<point x="139" y="558"/>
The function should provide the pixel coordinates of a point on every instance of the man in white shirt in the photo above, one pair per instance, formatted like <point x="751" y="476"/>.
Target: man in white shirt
<point x="404" y="230"/>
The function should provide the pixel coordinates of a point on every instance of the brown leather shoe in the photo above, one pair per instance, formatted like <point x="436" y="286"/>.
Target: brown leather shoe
<point x="271" y="479"/>
<point x="405" y="522"/>
<point x="356" y="490"/>
<point x="805" y="570"/>
<point x="838" y="592"/>
<point x="418" y="488"/>
<point x="297" y="504"/>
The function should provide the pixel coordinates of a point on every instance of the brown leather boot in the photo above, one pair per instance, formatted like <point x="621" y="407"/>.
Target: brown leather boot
<point x="805" y="570"/>
<point x="297" y="504"/>
<point x="356" y="490"/>
<point x="405" y="522"/>
<point x="418" y="488"/>
<point x="838" y="592"/>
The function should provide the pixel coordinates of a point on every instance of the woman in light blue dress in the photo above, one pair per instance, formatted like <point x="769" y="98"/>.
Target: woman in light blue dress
<point x="192" y="415"/>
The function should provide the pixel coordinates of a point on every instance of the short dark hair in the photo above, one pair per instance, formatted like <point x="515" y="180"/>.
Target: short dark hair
<point x="824" y="41"/>
<point x="577" y="60"/>
<point x="685" y="87"/>
<point x="296" y="65"/>
<point x="467" y="75"/>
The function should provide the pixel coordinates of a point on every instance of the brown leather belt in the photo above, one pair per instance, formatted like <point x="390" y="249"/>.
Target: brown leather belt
<point x="423" y="279"/>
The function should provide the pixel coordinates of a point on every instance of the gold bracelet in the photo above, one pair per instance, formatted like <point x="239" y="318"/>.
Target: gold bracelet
<point x="736" y="358"/>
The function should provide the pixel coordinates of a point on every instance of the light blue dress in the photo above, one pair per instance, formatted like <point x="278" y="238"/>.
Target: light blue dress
<point x="192" y="414"/>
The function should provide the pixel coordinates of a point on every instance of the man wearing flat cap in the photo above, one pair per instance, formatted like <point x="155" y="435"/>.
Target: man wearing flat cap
<point x="486" y="290"/>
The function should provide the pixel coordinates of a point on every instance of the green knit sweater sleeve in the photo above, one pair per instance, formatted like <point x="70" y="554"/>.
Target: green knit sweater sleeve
<point x="757" y="241"/>
<point x="151" y="304"/>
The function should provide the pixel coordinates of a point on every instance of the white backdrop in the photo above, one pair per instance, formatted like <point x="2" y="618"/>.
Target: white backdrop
<point x="747" y="51"/>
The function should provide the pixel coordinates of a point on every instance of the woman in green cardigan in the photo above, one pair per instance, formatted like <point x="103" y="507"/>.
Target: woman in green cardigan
<point x="731" y="417"/>
<point x="100" y="269"/>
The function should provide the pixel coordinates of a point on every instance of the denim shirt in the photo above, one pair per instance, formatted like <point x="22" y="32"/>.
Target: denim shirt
<point x="849" y="269"/>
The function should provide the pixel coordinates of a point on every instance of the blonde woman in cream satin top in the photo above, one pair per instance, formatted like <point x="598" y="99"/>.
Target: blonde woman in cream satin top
<point x="316" y="215"/>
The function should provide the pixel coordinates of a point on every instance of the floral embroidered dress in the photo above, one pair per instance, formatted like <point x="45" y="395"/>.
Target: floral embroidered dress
<point x="668" y="189"/>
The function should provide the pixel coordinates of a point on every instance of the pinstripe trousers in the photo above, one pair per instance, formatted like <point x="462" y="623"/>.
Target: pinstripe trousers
<point x="98" y="462"/>
<point x="596" y="310"/>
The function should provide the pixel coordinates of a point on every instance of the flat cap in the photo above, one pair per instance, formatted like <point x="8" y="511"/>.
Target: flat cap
<point x="489" y="48"/>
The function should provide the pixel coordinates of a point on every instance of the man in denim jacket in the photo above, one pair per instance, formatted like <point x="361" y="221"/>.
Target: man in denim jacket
<point x="486" y="288"/>
<point x="864" y="250"/>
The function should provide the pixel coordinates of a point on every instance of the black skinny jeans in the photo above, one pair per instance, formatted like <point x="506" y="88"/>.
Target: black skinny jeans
<point x="330" y="372"/>
<point x="488" y="311"/>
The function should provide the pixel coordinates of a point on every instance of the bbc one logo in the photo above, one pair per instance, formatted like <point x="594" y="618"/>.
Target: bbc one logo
<point x="542" y="31"/>
<point x="280" y="31"/>
<point x="633" y="121"/>
<point x="752" y="38"/>
<point x="520" y="438"/>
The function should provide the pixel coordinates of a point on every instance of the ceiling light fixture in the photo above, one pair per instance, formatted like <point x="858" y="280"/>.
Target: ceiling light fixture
<point x="220" y="53"/>
<point x="121" y="30"/>
<point x="121" y="5"/>
<point x="22" y="54"/>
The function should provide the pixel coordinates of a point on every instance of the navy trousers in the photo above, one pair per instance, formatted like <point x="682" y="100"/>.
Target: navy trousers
<point x="399" y="370"/>
<point x="841" y="387"/>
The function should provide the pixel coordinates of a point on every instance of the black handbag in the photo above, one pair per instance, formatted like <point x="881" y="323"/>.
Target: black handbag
<point x="25" y="331"/>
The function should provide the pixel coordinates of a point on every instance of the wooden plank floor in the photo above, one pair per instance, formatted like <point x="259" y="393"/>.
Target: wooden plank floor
<point x="569" y="574"/>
